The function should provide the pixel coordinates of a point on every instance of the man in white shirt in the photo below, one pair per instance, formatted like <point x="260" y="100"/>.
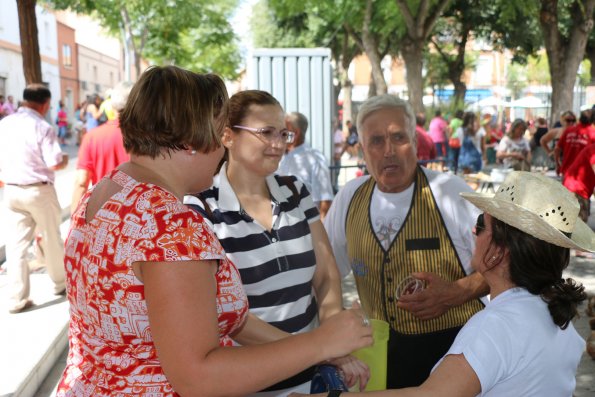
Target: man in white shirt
<point x="29" y="155"/>
<point x="307" y="164"/>
<point x="8" y="106"/>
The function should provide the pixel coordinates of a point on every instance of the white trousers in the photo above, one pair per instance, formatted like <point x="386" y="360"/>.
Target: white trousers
<point x="31" y="208"/>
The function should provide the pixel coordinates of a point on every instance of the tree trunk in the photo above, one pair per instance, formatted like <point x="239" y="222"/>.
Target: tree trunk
<point x="413" y="56"/>
<point x="371" y="49"/>
<point x="347" y="104"/>
<point x="564" y="57"/>
<point x="419" y="27"/>
<point x="459" y="97"/>
<point x="372" y="91"/>
<point x="137" y="57"/>
<point x="29" y="41"/>
<point x="456" y="67"/>
<point x="346" y="84"/>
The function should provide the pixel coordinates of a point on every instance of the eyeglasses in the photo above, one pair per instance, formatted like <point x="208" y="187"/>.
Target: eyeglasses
<point x="269" y="134"/>
<point x="570" y="120"/>
<point x="480" y="225"/>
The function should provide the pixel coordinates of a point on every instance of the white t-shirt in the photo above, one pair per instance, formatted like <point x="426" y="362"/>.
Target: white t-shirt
<point x="507" y="145"/>
<point x="389" y="210"/>
<point x="476" y="139"/>
<point x="338" y="141"/>
<point x="515" y="348"/>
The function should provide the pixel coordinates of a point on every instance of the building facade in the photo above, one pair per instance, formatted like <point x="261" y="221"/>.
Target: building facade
<point x="98" y="72"/>
<point x="12" y="78"/>
<point x="69" y="76"/>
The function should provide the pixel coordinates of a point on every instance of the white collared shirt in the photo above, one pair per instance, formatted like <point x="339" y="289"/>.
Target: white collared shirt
<point x="309" y="166"/>
<point x="28" y="148"/>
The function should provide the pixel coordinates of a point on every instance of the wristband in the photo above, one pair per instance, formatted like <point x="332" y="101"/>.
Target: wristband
<point x="334" y="393"/>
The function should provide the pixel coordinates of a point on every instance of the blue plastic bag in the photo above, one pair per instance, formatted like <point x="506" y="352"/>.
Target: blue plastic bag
<point x="327" y="377"/>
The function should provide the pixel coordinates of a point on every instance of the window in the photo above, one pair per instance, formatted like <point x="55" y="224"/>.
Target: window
<point x="66" y="55"/>
<point x="3" y="86"/>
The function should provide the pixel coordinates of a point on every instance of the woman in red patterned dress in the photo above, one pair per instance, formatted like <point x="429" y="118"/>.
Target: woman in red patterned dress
<point x="154" y="302"/>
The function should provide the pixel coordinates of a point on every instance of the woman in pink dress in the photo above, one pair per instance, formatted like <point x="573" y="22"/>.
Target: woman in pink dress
<point x="154" y="302"/>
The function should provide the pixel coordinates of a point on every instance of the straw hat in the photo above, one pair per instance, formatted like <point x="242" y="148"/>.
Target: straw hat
<point x="539" y="206"/>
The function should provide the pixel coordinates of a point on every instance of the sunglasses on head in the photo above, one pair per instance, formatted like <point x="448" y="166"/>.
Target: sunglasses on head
<point x="480" y="225"/>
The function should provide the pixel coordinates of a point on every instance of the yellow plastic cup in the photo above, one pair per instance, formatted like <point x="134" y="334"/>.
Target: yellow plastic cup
<point x="375" y="356"/>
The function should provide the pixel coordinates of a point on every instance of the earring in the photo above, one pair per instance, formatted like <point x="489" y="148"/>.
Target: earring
<point x="193" y="152"/>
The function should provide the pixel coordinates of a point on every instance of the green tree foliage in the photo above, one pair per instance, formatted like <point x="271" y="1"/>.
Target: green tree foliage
<point x="538" y="70"/>
<point x="450" y="38"/>
<point x="273" y="28"/>
<point x="516" y="79"/>
<point x="513" y="26"/>
<point x="325" y="23"/>
<point x="193" y="34"/>
<point x="420" y="18"/>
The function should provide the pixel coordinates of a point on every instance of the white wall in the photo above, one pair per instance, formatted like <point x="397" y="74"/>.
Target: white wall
<point x="11" y="64"/>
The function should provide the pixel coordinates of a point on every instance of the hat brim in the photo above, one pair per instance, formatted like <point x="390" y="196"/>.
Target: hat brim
<point x="582" y="236"/>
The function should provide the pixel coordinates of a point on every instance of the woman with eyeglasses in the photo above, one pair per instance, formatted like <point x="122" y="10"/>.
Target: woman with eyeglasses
<point x="270" y="228"/>
<point x="549" y="140"/>
<point x="523" y="343"/>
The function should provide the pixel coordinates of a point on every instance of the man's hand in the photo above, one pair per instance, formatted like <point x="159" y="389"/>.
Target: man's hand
<point x="437" y="297"/>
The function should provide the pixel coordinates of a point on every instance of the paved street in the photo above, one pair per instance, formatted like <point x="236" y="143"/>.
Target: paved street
<point x="32" y="343"/>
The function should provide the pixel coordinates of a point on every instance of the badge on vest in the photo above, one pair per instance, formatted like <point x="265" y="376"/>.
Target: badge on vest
<point x="422" y="244"/>
<point x="359" y="268"/>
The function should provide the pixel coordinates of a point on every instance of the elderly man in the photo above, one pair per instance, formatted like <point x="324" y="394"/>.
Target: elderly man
<point x="406" y="220"/>
<point x="307" y="164"/>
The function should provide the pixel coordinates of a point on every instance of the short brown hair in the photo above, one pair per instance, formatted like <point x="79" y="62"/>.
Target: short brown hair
<point x="174" y="109"/>
<point x="239" y="104"/>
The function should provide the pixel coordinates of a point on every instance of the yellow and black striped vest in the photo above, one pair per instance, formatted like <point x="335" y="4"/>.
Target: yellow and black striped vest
<point x="422" y="244"/>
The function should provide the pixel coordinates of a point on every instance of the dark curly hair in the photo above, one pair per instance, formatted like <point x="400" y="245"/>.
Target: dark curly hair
<point x="537" y="266"/>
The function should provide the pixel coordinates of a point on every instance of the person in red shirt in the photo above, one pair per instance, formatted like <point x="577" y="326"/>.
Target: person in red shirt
<point x="102" y="149"/>
<point x="62" y="122"/>
<point x="573" y="140"/>
<point x="579" y="178"/>
<point x="426" y="150"/>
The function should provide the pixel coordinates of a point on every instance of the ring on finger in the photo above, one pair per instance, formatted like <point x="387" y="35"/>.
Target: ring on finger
<point x="365" y="321"/>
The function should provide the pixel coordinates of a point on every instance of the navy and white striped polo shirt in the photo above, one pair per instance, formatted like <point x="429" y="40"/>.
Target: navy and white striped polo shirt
<point x="276" y="266"/>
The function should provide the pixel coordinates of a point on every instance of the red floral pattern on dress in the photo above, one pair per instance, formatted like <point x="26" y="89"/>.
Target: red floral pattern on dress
<point x="111" y="347"/>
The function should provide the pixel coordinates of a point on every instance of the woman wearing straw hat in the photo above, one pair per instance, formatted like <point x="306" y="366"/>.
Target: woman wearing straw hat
<point x="523" y="343"/>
